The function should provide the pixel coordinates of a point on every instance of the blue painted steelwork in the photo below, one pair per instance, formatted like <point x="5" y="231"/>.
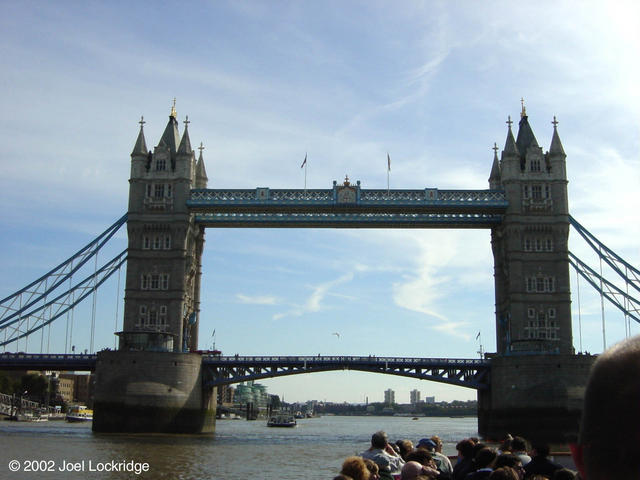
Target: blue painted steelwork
<point x="49" y="311"/>
<point x="355" y="201"/>
<point x="619" y="298"/>
<point x="45" y="361"/>
<point x="346" y="220"/>
<point x="471" y="373"/>
<point x="631" y="274"/>
<point x="222" y="370"/>
<point x="41" y="302"/>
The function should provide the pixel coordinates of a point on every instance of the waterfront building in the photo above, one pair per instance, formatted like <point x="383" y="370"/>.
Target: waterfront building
<point x="414" y="396"/>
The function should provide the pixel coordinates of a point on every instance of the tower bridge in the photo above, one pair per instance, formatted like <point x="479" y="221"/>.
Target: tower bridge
<point x="155" y="381"/>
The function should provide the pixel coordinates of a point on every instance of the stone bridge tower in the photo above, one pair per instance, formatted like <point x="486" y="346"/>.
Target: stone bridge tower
<point x="165" y="245"/>
<point x="537" y="382"/>
<point x="151" y="383"/>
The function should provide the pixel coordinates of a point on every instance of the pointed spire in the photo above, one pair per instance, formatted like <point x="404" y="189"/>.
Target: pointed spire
<point x="171" y="137"/>
<point x="140" y="147"/>
<point x="494" y="177"/>
<point x="556" y="144"/>
<point x="185" y="143"/>
<point x="510" y="147"/>
<point x="201" y="173"/>
<point x="525" y="138"/>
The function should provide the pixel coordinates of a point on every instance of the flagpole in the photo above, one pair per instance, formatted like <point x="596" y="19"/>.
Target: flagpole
<point x="388" y="170"/>
<point x="304" y="165"/>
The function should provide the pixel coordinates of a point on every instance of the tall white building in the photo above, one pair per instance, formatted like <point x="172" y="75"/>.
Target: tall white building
<point x="414" y="397"/>
<point x="389" y="397"/>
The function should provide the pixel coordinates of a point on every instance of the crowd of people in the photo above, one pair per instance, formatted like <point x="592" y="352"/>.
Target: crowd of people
<point x="608" y="446"/>
<point x="385" y="460"/>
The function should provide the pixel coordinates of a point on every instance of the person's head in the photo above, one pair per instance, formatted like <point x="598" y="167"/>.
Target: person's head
<point x="355" y="468"/>
<point x="465" y="448"/>
<point x="518" y="444"/>
<point x="427" y="444"/>
<point x="405" y="446"/>
<point x="511" y="461"/>
<point x="541" y="450"/>
<point x="379" y="439"/>
<point x="421" y="456"/>
<point x="485" y="457"/>
<point x="374" y="471"/>
<point x="563" y="474"/>
<point x="412" y="470"/>
<point x="609" y="440"/>
<point x="438" y="442"/>
<point x="504" y="473"/>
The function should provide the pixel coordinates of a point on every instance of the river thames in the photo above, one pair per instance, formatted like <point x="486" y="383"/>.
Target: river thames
<point x="239" y="449"/>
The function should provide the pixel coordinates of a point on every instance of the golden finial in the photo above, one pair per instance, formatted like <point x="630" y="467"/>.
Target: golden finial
<point x="346" y="180"/>
<point x="524" y="110"/>
<point x="173" y="114"/>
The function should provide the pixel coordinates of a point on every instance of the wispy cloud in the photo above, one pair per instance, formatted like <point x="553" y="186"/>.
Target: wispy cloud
<point x="258" y="299"/>
<point x="315" y="301"/>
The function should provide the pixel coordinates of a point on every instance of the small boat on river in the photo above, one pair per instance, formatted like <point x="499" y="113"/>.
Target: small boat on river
<point x="282" y="420"/>
<point x="79" y="413"/>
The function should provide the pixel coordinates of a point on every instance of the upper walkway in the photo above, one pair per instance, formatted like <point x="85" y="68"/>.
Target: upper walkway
<point x="348" y="206"/>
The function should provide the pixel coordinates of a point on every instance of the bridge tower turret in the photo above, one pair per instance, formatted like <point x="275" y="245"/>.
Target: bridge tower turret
<point x="165" y="245"/>
<point x="533" y="304"/>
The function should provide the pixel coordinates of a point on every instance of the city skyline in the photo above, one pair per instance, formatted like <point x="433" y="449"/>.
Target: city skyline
<point x="411" y="96"/>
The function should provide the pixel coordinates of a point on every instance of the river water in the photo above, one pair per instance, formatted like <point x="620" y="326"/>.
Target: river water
<point x="239" y="449"/>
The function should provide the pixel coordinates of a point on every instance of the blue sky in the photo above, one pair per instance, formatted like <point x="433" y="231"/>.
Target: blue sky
<point x="432" y="83"/>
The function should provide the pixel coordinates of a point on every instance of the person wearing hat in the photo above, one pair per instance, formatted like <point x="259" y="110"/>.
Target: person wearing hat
<point x="442" y="461"/>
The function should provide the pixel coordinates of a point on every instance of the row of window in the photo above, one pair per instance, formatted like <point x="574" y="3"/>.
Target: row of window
<point x="541" y="314"/>
<point x="538" y="244"/>
<point x="156" y="242"/>
<point x="159" y="191"/>
<point x="540" y="284"/>
<point x="152" y="317"/>
<point x="155" y="281"/>
<point x="536" y="191"/>
<point x="541" y="334"/>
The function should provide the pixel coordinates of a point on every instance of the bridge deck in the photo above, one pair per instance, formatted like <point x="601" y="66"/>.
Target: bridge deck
<point x="221" y="370"/>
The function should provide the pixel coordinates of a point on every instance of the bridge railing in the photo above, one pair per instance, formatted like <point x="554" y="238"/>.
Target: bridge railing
<point x="345" y="359"/>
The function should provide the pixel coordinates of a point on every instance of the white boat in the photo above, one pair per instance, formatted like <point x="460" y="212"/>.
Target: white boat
<point x="282" y="420"/>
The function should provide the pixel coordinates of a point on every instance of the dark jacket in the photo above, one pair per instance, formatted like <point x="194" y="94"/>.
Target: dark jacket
<point x="540" y="466"/>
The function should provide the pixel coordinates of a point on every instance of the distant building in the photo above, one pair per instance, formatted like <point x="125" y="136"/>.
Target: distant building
<point x="429" y="399"/>
<point x="65" y="389"/>
<point x="414" y="397"/>
<point x="389" y="397"/>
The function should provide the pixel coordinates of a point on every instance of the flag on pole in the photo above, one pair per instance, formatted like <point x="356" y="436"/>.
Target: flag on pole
<point x="388" y="162"/>
<point x="304" y="162"/>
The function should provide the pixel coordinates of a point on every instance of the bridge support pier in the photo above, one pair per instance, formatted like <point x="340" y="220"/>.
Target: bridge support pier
<point x="538" y="397"/>
<point x="159" y="392"/>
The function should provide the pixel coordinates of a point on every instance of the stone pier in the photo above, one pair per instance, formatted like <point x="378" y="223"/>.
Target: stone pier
<point x="152" y="392"/>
